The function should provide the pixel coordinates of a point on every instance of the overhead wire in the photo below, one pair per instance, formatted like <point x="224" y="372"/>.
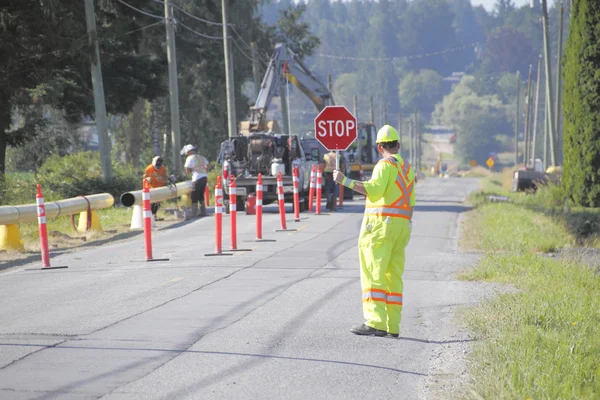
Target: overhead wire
<point x="144" y="27"/>
<point x="177" y="7"/>
<point x="202" y="34"/>
<point x="141" y="11"/>
<point x="435" y="53"/>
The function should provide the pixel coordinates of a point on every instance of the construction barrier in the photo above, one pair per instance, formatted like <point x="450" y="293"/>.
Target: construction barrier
<point x="218" y="221"/>
<point x="295" y="180"/>
<point x="259" y="206"/>
<point x="319" y="191"/>
<point x="147" y="220"/>
<point x="11" y="216"/>
<point x="41" y="216"/>
<point x="233" y="213"/>
<point x="281" y="202"/>
<point x="311" y="190"/>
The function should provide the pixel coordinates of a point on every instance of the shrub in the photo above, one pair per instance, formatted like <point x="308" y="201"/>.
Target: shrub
<point x="81" y="173"/>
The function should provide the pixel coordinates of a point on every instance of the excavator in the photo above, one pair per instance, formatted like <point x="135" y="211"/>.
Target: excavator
<point x="261" y="147"/>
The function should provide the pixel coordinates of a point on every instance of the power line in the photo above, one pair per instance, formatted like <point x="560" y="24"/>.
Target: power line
<point x="241" y="51"/>
<point x="190" y="15"/>
<point x="241" y="38"/>
<point x="398" y="58"/>
<point x="202" y="34"/>
<point x="144" y="27"/>
<point x="141" y="11"/>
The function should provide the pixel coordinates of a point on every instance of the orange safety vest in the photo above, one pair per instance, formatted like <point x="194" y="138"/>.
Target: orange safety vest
<point x="158" y="177"/>
<point x="400" y="208"/>
<point x="329" y="162"/>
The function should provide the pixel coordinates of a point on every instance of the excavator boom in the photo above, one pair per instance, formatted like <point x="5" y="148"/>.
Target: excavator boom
<point x="284" y="66"/>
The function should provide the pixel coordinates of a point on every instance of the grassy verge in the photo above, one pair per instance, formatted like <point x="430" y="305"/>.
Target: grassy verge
<point x="539" y="341"/>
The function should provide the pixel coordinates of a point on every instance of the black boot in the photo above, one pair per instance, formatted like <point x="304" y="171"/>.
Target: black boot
<point x="366" y="330"/>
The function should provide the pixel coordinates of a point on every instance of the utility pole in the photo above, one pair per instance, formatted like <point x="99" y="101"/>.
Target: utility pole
<point x="384" y="114"/>
<point x="410" y="142"/>
<point x="400" y="130"/>
<point x="559" y="141"/>
<point x="372" y="111"/>
<point x="98" y="87"/>
<point x="546" y="132"/>
<point x="536" y="110"/>
<point x="417" y="136"/>
<point x="551" y="127"/>
<point x="173" y="89"/>
<point x="229" y="82"/>
<point x="517" y="120"/>
<point x="255" y="72"/>
<point x="527" y="120"/>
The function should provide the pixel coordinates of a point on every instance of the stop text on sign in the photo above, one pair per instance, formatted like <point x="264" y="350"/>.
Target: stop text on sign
<point x="335" y="127"/>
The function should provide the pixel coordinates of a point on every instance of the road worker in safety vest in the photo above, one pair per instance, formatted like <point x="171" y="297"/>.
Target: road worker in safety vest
<point x="384" y="235"/>
<point x="156" y="175"/>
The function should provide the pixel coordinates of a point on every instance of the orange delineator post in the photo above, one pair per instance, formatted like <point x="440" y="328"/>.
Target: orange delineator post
<point x="319" y="191"/>
<point x="259" y="204"/>
<point x="362" y="174"/>
<point x="218" y="217"/>
<point x="233" y="213"/>
<point x="147" y="219"/>
<point x="311" y="190"/>
<point x="295" y="179"/>
<point x="341" y="201"/>
<point x="281" y="198"/>
<point x="219" y="220"/>
<point x="43" y="229"/>
<point x="41" y="212"/>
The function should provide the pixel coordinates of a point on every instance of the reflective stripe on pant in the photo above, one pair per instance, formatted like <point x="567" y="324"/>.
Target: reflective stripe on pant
<point x="382" y="253"/>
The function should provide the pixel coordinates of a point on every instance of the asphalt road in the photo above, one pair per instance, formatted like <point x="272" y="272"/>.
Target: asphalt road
<point x="269" y="323"/>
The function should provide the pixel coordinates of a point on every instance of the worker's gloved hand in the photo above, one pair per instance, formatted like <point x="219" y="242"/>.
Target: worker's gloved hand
<point x="338" y="176"/>
<point x="172" y="179"/>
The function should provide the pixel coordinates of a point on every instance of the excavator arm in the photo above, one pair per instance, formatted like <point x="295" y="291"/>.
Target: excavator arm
<point x="284" y="66"/>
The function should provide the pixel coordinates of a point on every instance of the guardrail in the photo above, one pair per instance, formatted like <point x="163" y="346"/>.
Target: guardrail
<point x="10" y="216"/>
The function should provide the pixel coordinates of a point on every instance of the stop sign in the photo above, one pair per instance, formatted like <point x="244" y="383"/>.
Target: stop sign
<point x="335" y="128"/>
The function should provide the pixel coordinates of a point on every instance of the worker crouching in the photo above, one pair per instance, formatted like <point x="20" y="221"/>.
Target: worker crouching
<point x="384" y="235"/>
<point x="156" y="175"/>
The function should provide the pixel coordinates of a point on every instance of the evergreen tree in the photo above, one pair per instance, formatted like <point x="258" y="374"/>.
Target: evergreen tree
<point x="581" y="105"/>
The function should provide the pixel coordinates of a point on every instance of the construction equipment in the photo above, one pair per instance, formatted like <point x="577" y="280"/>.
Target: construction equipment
<point x="261" y="147"/>
<point x="363" y="152"/>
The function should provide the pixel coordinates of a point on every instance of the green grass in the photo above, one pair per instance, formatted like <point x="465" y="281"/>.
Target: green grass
<point x="539" y="341"/>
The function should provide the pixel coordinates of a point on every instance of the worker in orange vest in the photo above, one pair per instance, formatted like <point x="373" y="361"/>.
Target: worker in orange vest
<point x="156" y="175"/>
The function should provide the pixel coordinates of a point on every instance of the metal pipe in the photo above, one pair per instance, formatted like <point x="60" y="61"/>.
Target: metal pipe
<point x="10" y="215"/>
<point x="134" y="198"/>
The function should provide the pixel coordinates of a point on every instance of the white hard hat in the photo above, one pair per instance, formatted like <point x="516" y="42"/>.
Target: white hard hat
<point x="187" y="148"/>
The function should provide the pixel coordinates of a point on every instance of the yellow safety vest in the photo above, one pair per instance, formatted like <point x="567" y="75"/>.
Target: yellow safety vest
<point x="395" y="203"/>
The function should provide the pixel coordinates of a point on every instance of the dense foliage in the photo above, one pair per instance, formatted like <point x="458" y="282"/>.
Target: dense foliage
<point x="581" y="105"/>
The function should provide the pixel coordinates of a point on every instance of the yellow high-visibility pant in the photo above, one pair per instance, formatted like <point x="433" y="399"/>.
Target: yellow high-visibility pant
<point x="381" y="247"/>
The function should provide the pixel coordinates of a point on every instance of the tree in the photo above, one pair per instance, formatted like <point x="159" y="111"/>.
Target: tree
<point x="509" y="50"/>
<point x="46" y="60"/>
<point x="581" y="105"/>
<point x="422" y="90"/>
<point x="476" y="119"/>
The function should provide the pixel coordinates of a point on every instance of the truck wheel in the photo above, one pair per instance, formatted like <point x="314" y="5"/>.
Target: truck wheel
<point x="240" y="204"/>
